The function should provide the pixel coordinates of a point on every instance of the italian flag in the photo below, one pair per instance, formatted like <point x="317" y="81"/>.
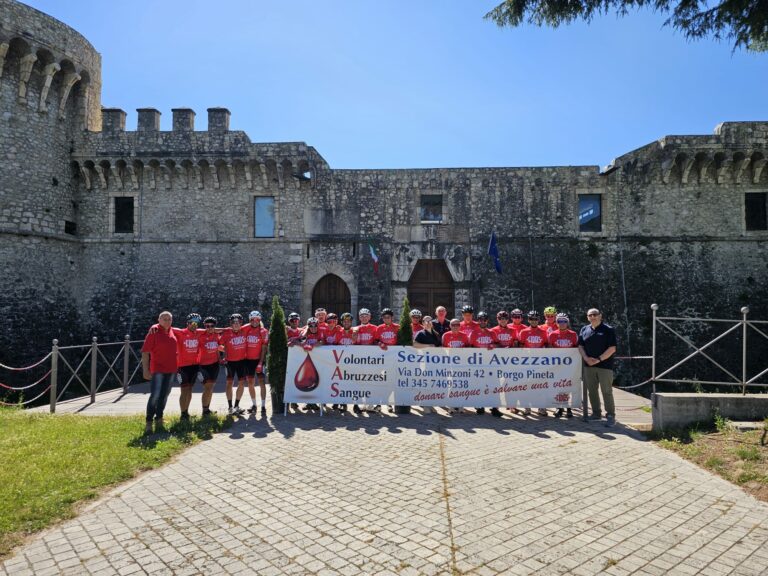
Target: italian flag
<point x="374" y="257"/>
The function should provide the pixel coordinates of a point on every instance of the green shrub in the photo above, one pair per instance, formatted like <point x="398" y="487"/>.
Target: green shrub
<point x="277" y="361"/>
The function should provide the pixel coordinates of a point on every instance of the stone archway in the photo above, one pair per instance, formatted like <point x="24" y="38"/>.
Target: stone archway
<point x="315" y="273"/>
<point x="332" y="293"/>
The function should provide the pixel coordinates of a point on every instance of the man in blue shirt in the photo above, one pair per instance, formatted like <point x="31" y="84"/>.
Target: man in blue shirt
<point x="597" y="345"/>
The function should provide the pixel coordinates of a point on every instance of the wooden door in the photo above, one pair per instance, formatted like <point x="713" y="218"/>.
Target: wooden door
<point x="331" y="293"/>
<point x="430" y="286"/>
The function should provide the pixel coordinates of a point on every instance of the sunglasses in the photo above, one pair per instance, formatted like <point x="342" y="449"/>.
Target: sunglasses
<point x="562" y="321"/>
<point x="588" y="315"/>
<point x="452" y="325"/>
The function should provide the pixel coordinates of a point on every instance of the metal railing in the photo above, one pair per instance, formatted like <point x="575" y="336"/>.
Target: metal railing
<point x="742" y="325"/>
<point x="119" y="362"/>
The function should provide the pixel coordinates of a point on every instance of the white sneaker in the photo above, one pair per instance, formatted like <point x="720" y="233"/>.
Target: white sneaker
<point x="230" y="411"/>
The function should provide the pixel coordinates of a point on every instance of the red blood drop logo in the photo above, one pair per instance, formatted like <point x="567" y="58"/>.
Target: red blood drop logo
<point x="307" y="377"/>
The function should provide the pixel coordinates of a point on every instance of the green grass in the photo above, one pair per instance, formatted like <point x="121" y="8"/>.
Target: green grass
<point x="49" y="464"/>
<point x="646" y="409"/>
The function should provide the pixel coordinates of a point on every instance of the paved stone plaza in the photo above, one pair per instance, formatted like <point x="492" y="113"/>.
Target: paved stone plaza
<point x="379" y="494"/>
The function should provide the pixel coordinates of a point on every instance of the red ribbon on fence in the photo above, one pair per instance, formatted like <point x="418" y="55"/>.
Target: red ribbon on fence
<point x="35" y="365"/>
<point x="20" y="388"/>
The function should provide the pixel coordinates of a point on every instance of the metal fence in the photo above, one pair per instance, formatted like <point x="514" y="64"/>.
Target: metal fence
<point x="90" y="366"/>
<point x="743" y="327"/>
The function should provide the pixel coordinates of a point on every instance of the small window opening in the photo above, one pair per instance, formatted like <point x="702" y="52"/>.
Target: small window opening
<point x="431" y="209"/>
<point x="590" y="213"/>
<point x="756" y="210"/>
<point x="123" y="215"/>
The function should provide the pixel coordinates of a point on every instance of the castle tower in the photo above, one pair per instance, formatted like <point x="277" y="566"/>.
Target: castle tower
<point x="50" y="93"/>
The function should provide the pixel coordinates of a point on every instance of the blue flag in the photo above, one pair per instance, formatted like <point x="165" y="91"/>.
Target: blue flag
<point x="493" y="252"/>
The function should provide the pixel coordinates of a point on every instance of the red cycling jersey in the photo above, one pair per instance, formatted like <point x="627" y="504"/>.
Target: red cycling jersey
<point x="234" y="344"/>
<point x="347" y="337"/>
<point x="518" y="328"/>
<point x="366" y="334"/>
<point x="189" y="346"/>
<point x="505" y="337"/>
<point x="563" y="339"/>
<point x="534" y="337"/>
<point x="550" y="326"/>
<point x="293" y="334"/>
<point x="209" y="347"/>
<point x="468" y="327"/>
<point x="311" y="338"/>
<point x="387" y="333"/>
<point x="482" y="338"/>
<point x="416" y="327"/>
<point x="455" y="340"/>
<point x="255" y="339"/>
<point x="333" y="335"/>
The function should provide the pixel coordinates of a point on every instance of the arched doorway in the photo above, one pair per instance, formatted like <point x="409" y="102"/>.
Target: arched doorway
<point x="430" y="286"/>
<point x="331" y="293"/>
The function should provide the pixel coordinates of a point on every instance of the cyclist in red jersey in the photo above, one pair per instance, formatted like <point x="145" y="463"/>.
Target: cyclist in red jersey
<point x="366" y="332"/>
<point x="256" y="339"/>
<point x="416" y="326"/>
<point x="468" y="324"/>
<point x="234" y="342"/>
<point x="333" y="331"/>
<point x="455" y="338"/>
<point x="347" y="337"/>
<point x="189" y="360"/>
<point x="293" y="330"/>
<point x="311" y="335"/>
<point x="210" y="355"/>
<point x="322" y="317"/>
<point x="534" y="337"/>
<point x="549" y="319"/>
<point x="505" y="336"/>
<point x="484" y="337"/>
<point x="386" y="333"/>
<point x="563" y="337"/>
<point x="517" y="324"/>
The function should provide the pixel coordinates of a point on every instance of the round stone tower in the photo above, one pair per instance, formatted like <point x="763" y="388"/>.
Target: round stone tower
<point x="50" y="95"/>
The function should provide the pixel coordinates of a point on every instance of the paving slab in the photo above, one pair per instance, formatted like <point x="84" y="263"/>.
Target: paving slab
<point x="413" y="494"/>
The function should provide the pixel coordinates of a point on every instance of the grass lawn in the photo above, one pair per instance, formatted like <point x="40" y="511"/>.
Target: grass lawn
<point x="739" y="457"/>
<point x="49" y="464"/>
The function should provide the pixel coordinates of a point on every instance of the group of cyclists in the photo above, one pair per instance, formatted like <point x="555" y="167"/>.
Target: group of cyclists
<point x="201" y="348"/>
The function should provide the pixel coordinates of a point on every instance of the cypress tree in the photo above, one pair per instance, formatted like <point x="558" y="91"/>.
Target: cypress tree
<point x="405" y="334"/>
<point x="404" y="338"/>
<point x="277" y="360"/>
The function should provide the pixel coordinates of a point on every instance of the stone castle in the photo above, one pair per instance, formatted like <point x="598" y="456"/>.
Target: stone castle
<point x="102" y="227"/>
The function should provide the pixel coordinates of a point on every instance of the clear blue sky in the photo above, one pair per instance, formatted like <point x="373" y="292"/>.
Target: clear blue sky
<point x="404" y="83"/>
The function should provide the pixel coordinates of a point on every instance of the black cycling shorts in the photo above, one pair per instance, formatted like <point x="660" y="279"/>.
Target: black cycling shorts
<point x="189" y="374"/>
<point x="210" y="372"/>
<point x="236" y="368"/>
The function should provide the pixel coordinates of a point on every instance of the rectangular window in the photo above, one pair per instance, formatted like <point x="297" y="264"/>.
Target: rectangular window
<point x="70" y="227"/>
<point x="590" y="213"/>
<point x="756" y="210"/>
<point x="123" y="215"/>
<point x="431" y="210"/>
<point x="264" y="217"/>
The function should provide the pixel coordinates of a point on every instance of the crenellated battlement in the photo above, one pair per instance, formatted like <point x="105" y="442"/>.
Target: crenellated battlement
<point x="735" y="154"/>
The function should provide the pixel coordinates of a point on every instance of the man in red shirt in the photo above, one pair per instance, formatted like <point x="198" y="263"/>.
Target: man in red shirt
<point x="333" y="331"/>
<point x="455" y="338"/>
<point x="210" y="350"/>
<point x="159" y="362"/>
<point x="534" y="337"/>
<point x="321" y="316"/>
<point x="256" y="338"/>
<point x="366" y="332"/>
<point x="563" y="337"/>
<point x="505" y="335"/>
<point x="386" y="333"/>
<point x="348" y="336"/>
<point x="311" y="335"/>
<point x="468" y="324"/>
<point x="416" y="326"/>
<point x="233" y="340"/>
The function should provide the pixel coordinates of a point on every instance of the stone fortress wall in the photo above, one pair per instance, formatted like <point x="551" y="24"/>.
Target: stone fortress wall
<point x="673" y="216"/>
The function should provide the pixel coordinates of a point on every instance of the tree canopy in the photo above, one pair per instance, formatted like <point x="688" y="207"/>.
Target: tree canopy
<point x="743" y="22"/>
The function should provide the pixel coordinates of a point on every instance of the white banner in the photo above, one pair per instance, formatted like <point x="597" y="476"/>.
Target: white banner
<point x="470" y="377"/>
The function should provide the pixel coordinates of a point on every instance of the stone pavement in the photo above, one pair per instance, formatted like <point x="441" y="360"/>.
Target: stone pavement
<point x="407" y="495"/>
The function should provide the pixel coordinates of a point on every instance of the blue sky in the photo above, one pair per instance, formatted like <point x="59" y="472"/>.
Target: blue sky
<point x="417" y="84"/>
